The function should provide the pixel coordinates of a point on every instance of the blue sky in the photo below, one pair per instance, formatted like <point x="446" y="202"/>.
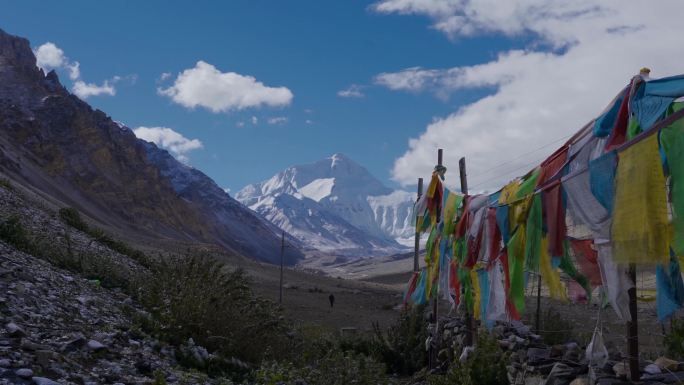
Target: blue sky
<point x="485" y="88"/>
<point x="314" y="48"/>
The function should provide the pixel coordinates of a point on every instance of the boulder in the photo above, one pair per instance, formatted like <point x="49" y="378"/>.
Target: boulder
<point x="14" y="330"/>
<point x="580" y="381"/>
<point x="561" y="374"/>
<point x="665" y="363"/>
<point x="96" y="346"/>
<point x="24" y="373"/>
<point x="43" y="381"/>
<point x="652" y="369"/>
<point x="537" y="354"/>
<point x="621" y="369"/>
<point x="76" y="342"/>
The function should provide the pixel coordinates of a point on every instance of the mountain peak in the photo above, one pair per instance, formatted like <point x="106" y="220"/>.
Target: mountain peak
<point x="81" y="158"/>
<point x="358" y="213"/>
<point x="22" y="81"/>
<point x="16" y="50"/>
<point x="339" y="157"/>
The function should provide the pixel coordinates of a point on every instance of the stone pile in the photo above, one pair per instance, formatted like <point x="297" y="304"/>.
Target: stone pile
<point x="59" y="328"/>
<point x="532" y="362"/>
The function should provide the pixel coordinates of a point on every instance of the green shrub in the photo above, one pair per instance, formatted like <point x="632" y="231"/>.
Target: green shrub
<point x="556" y="329"/>
<point x="6" y="184"/>
<point x="197" y="297"/>
<point x="674" y="340"/>
<point x="45" y="247"/>
<point x="334" y="368"/>
<point x="402" y="346"/>
<point x="486" y="365"/>
<point x="14" y="233"/>
<point x="159" y="378"/>
<point x="72" y="217"/>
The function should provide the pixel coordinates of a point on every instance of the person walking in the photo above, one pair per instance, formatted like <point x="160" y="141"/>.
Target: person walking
<point x="331" y="298"/>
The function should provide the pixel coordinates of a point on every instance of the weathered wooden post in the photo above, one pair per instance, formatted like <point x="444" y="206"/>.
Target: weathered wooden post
<point x="632" y="329"/>
<point x="536" y="322"/>
<point x="432" y="353"/>
<point x="464" y="191"/>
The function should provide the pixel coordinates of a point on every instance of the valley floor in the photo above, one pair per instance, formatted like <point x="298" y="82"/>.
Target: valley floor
<point x="305" y="298"/>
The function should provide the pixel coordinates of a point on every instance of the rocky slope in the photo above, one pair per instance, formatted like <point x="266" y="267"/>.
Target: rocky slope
<point x="56" y="327"/>
<point x="560" y="361"/>
<point x="60" y="328"/>
<point x="336" y="206"/>
<point x="60" y="147"/>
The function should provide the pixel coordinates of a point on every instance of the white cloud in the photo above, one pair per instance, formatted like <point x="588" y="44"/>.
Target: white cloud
<point x="353" y="91"/>
<point x="240" y="124"/>
<point x="308" y="121"/>
<point x="552" y="20"/>
<point x="205" y="86"/>
<point x="434" y="8"/>
<point x="164" y="76"/>
<point x="168" y="139"/>
<point x="277" y="120"/>
<point x="49" y="57"/>
<point x="412" y="79"/>
<point x="226" y="190"/>
<point x="441" y="82"/>
<point x="84" y="90"/>
<point x="541" y="95"/>
<point x="254" y="120"/>
<point x="74" y="70"/>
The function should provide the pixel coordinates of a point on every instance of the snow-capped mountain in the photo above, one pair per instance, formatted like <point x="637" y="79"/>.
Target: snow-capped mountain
<point x="335" y="206"/>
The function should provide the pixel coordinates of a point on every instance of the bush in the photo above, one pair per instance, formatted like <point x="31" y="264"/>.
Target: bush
<point x="334" y="368"/>
<point x="72" y="217"/>
<point x="6" y="184"/>
<point x="556" y="329"/>
<point x="674" y="340"/>
<point x="197" y="297"/>
<point x="13" y="232"/>
<point x="402" y="346"/>
<point x="486" y="365"/>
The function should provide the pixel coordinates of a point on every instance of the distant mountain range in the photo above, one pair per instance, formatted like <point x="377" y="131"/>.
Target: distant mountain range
<point x="72" y="155"/>
<point x="335" y="206"/>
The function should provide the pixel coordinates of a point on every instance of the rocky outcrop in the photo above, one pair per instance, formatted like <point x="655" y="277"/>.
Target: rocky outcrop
<point x="74" y="155"/>
<point x="532" y="362"/>
<point x="57" y="328"/>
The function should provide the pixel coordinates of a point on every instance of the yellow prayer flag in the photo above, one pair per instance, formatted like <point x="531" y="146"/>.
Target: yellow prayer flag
<point x="640" y="228"/>
<point x="550" y="275"/>
<point x="476" y="293"/>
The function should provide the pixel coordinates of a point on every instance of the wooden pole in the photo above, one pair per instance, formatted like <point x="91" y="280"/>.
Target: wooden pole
<point x="632" y="329"/>
<point x="435" y="301"/>
<point x="536" y="323"/>
<point x="416" y="248"/>
<point x="282" y="262"/>
<point x="463" y="175"/>
<point x="464" y="190"/>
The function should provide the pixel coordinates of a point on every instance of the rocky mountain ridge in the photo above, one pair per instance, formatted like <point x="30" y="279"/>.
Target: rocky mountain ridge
<point x="73" y="155"/>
